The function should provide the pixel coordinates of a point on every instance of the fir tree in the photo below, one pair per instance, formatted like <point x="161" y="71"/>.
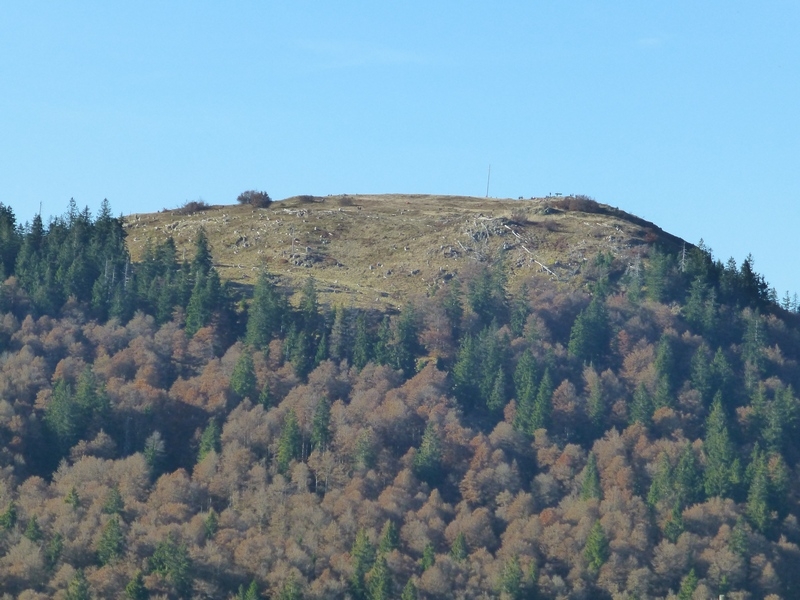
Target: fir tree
<point x="32" y="531"/>
<point x="72" y="498"/>
<point x="320" y="425"/>
<point x="596" y="549"/>
<point x="9" y="517"/>
<point x="757" y="509"/>
<point x="290" y="590"/>
<point x="78" y="588"/>
<point x="720" y="472"/>
<point x="409" y="591"/>
<point x="497" y="398"/>
<point x="113" y="504"/>
<point x="428" y="557"/>
<point x="459" y="549"/>
<point x="379" y="580"/>
<point x="427" y="460"/>
<point x="112" y="542"/>
<point x="209" y="440"/>
<point x="688" y="586"/>
<point x="52" y="551"/>
<point x="590" y="334"/>
<point x="289" y="442"/>
<point x="641" y="410"/>
<point x="243" y="378"/>
<point x="266" y="314"/>
<point x="687" y="478"/>
<point x="251" y="592"/>
<point x="511" y="579"/>
<point x="363" y="557"/>
<point x="362" y="352"/>
<point x="154" y="452"/>
<point x="211" y="524"/>
<point x="390" y="538"/>
<point x="135" y="590"/>
<point x="590" y="486"/>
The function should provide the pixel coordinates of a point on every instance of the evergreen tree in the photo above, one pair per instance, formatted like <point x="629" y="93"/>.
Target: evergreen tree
<point x="72" y="498"/>
<point x="590" y="334"/>
<point x="63" y="417"/>
<point x="243" y="378"/>
<point x="154" y="452"/>
<point x="290" y="590"/>
<point x="362" y="352"/>
<point x="465" y="373"/>
<point x="701" y="372"/>
<point x="405" y="345"/>
<point x="32" y="531"/>
<point x="596" y="549"/>
<point x="428" y="557"/>
<point x="673" y="526"/>
<point x="209" y="440"/>
<point x="112" y="542"/>
<point x="266" y="314"/>
<point x="135" y="590"/>
<point x="320" y="425"/>
<point x="379" y="580"/>
<point x="757" y="509"/>
<point x="662" y="486"/>
<point x="641" y="410"/>
<point x="390" y="538"/>
<point x="459" y="549"/>
<point x="211" y="524"/>
<point x="78" y="588"/>
<point x="497" y="399"/>
<point x="687" y="478"/>
<point x="427" y="461"/>
<point x="511" y="579"/>
<point x="202" y="261"/>
<point x="113" y="504"/>
<point x="382" y="350"/>
<point x="520" y="312"/>
<point x="363" y="557"/>
<point x="720" y="472"/>
<point x="52" y="551"/>
<point x="409" y="591"/>
<point x="289" y="442"/>
<point x="9" y="517"/>
<point x="590" y="486"/>
<point x="171" y="560"/>
<point x="251" y="593"/>
<point x="543" y="405"/>
<point x="688" y="586"/>
<point x="338" y="344"/>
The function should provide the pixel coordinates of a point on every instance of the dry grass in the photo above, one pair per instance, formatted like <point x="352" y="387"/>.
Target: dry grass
<point x="368" y="250"/>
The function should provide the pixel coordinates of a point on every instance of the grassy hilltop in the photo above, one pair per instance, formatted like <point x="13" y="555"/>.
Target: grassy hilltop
<point x="377" y="250"/>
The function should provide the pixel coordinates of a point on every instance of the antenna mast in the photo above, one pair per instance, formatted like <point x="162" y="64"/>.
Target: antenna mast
<point x="488" y="177"/>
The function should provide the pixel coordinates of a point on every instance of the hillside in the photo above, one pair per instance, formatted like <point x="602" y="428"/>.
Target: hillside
<point x="367" y="250"/>
<point x="542" y="399"/>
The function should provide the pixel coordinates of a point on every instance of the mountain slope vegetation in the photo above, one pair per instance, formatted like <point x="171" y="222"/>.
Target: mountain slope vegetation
<point x="380" y="397"/>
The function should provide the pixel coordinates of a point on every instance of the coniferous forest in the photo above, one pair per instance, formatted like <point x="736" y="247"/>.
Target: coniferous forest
<point x="166" y="435"/>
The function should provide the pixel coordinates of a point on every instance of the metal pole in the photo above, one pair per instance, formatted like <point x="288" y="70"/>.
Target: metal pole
<point x="488" y="177"/>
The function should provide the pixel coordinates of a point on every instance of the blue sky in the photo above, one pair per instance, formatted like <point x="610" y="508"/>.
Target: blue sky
<point x="683" y="113"/>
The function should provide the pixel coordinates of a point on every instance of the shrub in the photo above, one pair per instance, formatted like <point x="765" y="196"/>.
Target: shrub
<point x="255" y="198"/>
<point x="192" y="206"/>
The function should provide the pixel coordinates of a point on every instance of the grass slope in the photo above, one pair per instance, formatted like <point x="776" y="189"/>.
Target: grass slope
<point x="378" y="250"/>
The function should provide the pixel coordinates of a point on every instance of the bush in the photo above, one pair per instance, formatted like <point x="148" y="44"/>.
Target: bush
<point x="255" y="198"/>
<point x="192" y="206"/>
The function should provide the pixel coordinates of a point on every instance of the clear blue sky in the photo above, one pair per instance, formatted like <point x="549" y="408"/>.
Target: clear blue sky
<point x="684" y="113"/>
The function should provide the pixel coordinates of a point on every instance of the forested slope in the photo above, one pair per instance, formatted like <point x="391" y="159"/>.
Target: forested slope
<point x="630" y="435"/>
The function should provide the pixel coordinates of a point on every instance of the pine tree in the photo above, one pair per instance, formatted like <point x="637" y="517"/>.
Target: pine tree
<point x="9" y="517"/>
<point x="338" y="343"/>
<point x="135" y="590"/>
<point x="154" y="452"/>
<point x="289" y="442"/>
<point x="112" y="542"/>
<point x="543" y="404"/>
<point x="72" y="498"/>
<point x="497" y="398"/>
<point x="673" y="527"/>
<point x="171" y="560"/>
<point x="251" y="593"/>
<point x="662" y="486"/>
<point x="405" y="345"/>
<point x="590" y="334"/>
<point x="202" y="261"/>
<point x="52" y="551"/>
<point x="465" y="373"/>
<point x="243" y="378"/>
<point x="596" y="549"/>
<point x="590" y="486"/>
